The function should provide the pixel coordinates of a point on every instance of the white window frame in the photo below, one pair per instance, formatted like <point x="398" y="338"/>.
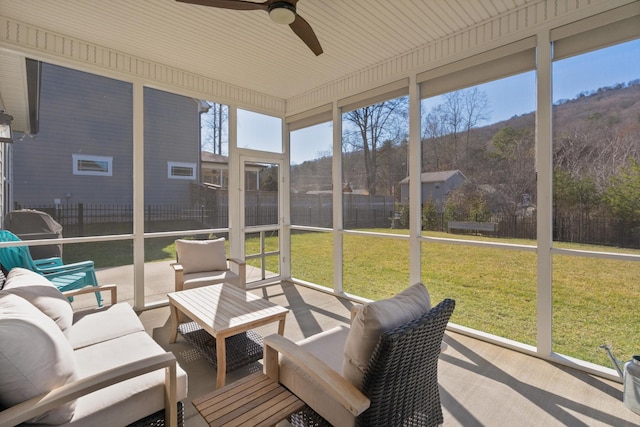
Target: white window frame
<point x="77" y="158"/>
<point x="171" y="165"/>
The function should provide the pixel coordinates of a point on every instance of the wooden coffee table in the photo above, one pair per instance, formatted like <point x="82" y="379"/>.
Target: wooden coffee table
<point x="223" y="310"/>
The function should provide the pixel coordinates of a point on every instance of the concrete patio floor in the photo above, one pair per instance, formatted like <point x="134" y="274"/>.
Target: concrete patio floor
<point x="481" y="384"/>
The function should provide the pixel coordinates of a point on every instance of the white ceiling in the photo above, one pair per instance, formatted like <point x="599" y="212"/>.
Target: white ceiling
<point x="246" y="49"/>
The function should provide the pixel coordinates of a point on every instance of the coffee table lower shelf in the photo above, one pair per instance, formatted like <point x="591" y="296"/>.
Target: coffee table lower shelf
<point x="242" y="349"/>
<point x="255" y="400"/>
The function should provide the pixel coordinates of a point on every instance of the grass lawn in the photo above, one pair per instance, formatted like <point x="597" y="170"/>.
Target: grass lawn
<point x="594" y="300"/>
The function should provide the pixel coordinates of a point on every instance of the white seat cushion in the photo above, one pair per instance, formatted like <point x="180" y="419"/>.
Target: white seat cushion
<point x="196" y="280"/>
<point x="130" y="400"/>
<point x="94" y="326"/>
<point x="327" y="346"/>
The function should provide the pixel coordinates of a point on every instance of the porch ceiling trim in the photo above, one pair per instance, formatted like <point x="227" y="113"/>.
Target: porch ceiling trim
<point x="511" y="26"/>
<point x="87" y="56"/>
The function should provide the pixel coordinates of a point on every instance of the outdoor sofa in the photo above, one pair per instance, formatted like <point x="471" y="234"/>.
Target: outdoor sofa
<point x="91" y="368"/>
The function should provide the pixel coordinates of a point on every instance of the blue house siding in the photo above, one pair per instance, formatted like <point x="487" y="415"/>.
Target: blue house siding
<point x="89" y="115"/>
<point x="83" y="114"/>
<point x="171" y="134"/>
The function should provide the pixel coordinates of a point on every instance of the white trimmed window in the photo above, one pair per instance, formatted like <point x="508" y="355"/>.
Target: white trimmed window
<point x="84" y="164"/>
<point x="180" y="170"/>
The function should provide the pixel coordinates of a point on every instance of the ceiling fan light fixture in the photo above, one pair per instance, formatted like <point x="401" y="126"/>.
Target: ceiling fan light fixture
<point x="282" y="12"/>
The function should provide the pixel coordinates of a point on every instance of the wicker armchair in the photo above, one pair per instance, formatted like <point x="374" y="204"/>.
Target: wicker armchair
<point x="400" y="384"/>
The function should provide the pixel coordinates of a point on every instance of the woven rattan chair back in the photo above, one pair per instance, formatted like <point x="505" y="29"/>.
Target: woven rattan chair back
<point x="402" y="377"/>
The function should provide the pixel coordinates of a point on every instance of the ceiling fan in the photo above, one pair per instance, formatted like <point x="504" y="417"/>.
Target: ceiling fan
<point x="281" y="12"/>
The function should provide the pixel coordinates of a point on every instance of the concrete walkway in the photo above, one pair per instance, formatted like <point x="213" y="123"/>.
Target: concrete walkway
<point x="158" y="280"/>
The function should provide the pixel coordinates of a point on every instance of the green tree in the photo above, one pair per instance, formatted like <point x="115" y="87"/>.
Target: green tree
<point x="570" y="194"/>
<point x="467" y="203"/>
<point x="514" y="167"/>
<point x="623" y="193"/>
<point x="429" y="215"/>
<point x="404" y="214"/>
<point x="451" y="212"/>
<point x="269" y="179"/>
<point x="506" y="142"/>
<point x="479" y="208"/>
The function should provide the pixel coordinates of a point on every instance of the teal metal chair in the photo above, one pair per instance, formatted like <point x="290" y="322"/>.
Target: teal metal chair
<point x="65" y="277"/>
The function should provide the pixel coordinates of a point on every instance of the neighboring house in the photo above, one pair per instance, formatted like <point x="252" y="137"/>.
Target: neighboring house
<point x="86" y="126"/>
<point x="435" y="186"/>
<point x="215" y="172"/>
<point x="215" y="169"/>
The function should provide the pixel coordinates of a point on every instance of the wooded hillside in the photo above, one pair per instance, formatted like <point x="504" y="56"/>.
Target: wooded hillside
<point x="596" y="146"/>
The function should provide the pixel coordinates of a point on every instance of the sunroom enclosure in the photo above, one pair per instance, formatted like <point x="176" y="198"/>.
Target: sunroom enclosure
<point x="535" y="294"/>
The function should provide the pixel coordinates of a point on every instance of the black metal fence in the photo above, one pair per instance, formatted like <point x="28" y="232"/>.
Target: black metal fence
<point x="604" y="231"/>
<point x="576" y="228"/>
<point x="316" y="210"/>
<point x="359" y="211"/>
<point x="514" y="227"/>
<point x="119" y="218"/>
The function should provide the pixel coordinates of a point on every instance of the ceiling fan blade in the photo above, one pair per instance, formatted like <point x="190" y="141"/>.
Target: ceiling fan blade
<point x="299" y="25"/>
<point x="230" y="4"/>
<point x="303" y="30"/>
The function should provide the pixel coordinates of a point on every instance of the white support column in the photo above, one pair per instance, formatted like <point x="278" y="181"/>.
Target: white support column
<point x="138" y="195"/>
<point x="284" y="187"/>
<point x="337" y="199"/>
<point x="414" y="158"/>
<point x="544" y="170"/>
<point x="236" y="218"/>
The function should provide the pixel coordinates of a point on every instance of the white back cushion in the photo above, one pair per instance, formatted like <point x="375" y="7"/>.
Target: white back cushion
<point x="41" y="293"/>
<point x="35" y="357"/>
<point x="377" y="317"/>
<point x="201" y="255"/>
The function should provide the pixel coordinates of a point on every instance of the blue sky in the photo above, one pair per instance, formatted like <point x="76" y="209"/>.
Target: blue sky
<point x="604" y="67"/>
<point x="259" y="131"/>
<point x="507" y="97"/>
<point x="516" y="95"/>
